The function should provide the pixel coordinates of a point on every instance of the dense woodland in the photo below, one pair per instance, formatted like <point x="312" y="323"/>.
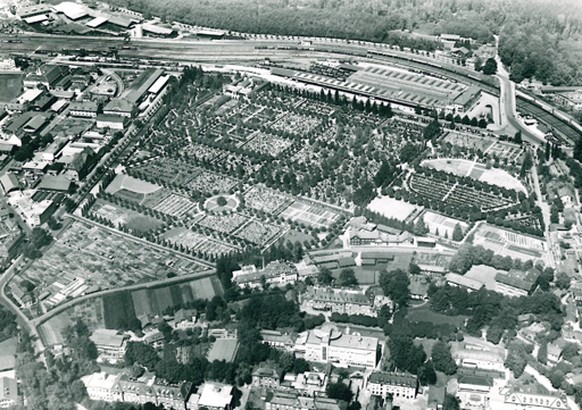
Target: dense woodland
<point x="537" y="38"/>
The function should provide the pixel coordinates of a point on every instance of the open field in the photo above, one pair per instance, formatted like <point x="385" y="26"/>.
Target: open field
<point x="475" y="170"/>
<point x="392" y="208"/>
<point x="10" y="86"/>
<point x="223" y="349"/>
<point x="88" y="258"/>
<point x="425" y="314"/>
<point x="121" y="216"/>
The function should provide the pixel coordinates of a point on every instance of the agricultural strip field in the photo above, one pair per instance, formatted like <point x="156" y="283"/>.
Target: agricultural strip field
<point x="156" y="301"/>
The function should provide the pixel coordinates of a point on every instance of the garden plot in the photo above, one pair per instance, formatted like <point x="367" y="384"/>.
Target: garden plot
<point x="465" y="140"/>
<point x="197" y="242"/>
<point x="223" y="223"/>
<point x="95" y="258"/>
<point x="266" y="200"/>
<point x="176" y="205"/>
<point x="314" y="215"/>
<point x="259" y="233"/>
<point x="267" y="144"/>
<point x="120" y="216"/>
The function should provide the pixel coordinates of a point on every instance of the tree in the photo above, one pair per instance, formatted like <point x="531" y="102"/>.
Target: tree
<point x="348" y="278"/>
<point x="405" y="355"/>
<point x="432" y="130"/>
<point x="426" y="374"/>
<point x="442" y="359"/>
<point x="339" y="391"/>
<point x="395" y="285"/>
<point x="457" y="233"/>
<point x="324" y="277"/>
<point x="451" y="403"/>
<point x="490" y="66"/>
<point x="414" y="269"/>
<point x="543" y="353"/>
<point x="420" y="227"/>
<point x="563" y="280"/>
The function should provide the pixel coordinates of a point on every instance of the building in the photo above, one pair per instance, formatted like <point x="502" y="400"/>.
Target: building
<point x="81" y="165"/>
<point x="120" y="107"/>
<point x="349" y="302"/>
<point x="460" y="281"/>
<point x="88" y="109"/>
<point x="120" y="388"/>
<point x="46" y="75"/>
<point x="267" y="377"/>
<point x="474" y="390"/>
<point x="466" y="100"/>
<point x="8" y="392"/>
<point x="308" y="383"/>
<point x="516" y="400"/>
<point x="293" y="401"/>
<point x="114" y="122"/>
<point x="9" y="183"/>
<point x="185" y="319"/>
<point x="554" y="352"/>
<point x="278" y="340"/>
<point x="329" y="345"/>
<point x="376" y="237"/>
<point x="474" y="353"/>
<point x="110" y="345"/>
<point x="32" y="212"/>
<point x="211" y="396"/>
<point x="517" y="282"/>
<point x="399" y="385"/>
<point x="276" y="273"/>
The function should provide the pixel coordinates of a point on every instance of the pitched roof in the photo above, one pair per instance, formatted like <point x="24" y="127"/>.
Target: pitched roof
<point x="393" y="379"/>
<point x="524" y="280"/>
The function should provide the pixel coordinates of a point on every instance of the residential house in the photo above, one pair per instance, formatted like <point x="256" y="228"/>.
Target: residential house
<point x="80" y="167"/>
<point x="185" y="319"/>
<point x="475" y="353"/>
<point x="399" y="385"/>
<point x="267" y="376"/>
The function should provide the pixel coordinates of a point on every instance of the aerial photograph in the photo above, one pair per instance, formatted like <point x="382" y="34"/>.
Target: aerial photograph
<point x="291" y="204"/>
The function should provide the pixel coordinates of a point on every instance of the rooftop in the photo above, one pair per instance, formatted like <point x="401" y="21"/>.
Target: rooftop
<point x="215" y="395"/>
<point x="338" y="339"/>
<point x="393" y="379"/>
<point x="524" y="280"/>
<point x="107" y="337"/>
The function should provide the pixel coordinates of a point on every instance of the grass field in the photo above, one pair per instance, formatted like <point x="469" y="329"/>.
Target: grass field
<point x="223" y="349"/>
<point x="10" y="86"/>
<point x="121" y="216"/>
<point x="425" y="314"/>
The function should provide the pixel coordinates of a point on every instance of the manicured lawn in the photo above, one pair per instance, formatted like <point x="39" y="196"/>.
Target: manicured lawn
<point x="425" y="314"/>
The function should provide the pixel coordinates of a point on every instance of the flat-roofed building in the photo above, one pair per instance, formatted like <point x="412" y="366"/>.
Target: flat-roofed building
<point x="114" y="122"/>
<point x="211" y="396"/>
<point x="276" y="273"/>
<point x="399" y="385"/>
<point x="110" y="345"/>
<point x="473" y="390"/>
<point x="328" y="345"/>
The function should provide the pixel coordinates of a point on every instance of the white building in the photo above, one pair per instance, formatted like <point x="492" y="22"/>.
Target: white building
<point x="276" y="273"/>
<point x="211" y="396"/>
<point x="473" y="391"/>
<point x="110" y="345"/>
<point x="474" y="353"/>
<point x="8" y="392"/>
<point x="400" y="385"/>
<point x="515" y="400"/>
<point x="343" y="301"/>
<point x="329" y="345"/>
